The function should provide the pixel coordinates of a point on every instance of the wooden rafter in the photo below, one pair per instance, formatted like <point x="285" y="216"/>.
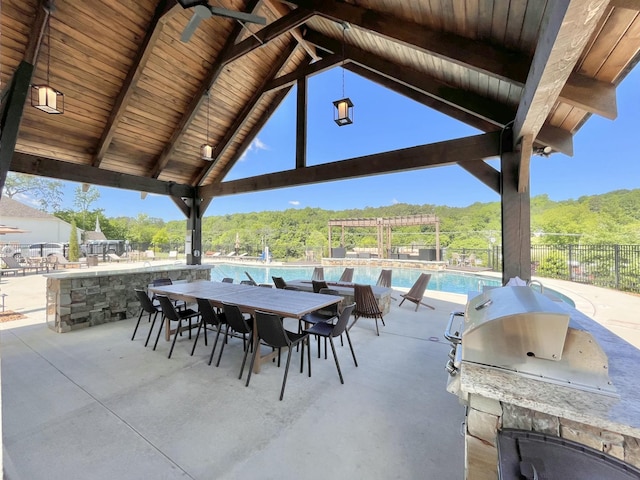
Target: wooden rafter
<point x="280" y="10"/>
<point x="246" y="111"/>
<point x="43" y="11"/>
<point x="474" y="148"/>
<point x="587" y="93"/>
<point x="567" y="27"/>
<point x="230" y="52"/>
<point x="160" y="17"/>
<point x="304" y="71"/>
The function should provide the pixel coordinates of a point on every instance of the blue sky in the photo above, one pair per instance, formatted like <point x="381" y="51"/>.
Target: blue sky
<point x="386" y="121"/>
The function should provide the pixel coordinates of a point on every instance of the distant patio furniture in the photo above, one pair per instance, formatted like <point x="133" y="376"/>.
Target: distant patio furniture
<point x="347" y="275"/>
<point x="227" y="280"/>
<point x="417" y="291"/>
<point x="38" y="264"/>
<point x="318" y="285"/>
<point x="366" y="305"/>
<point x="279" y="282"/>
<point x="115" y="258"/>
<point x="384" y="280"/>
<point x="150" y="255"/>
<point x="253" y="282"/>
<point x="13" y="265"/>
<point x="318" y="273"/>
<point x="62" y="261"/>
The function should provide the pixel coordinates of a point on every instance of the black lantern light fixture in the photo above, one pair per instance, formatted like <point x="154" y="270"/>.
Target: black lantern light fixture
<point x="206" y="149"/>
<point x="44" y="97"/>
<point x="343" y="112"/>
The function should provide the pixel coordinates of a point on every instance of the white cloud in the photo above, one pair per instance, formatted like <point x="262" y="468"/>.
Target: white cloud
<point x="256" y="145"/>
<point x="294" y="202"/>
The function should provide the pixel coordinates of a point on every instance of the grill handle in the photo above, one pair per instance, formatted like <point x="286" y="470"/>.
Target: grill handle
<point x="453" y="338"/>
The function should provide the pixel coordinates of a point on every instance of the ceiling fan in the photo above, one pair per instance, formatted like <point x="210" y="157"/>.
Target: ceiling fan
<point x="202" y="10"/>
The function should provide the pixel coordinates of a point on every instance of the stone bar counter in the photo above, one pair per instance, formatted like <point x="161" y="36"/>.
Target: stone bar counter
<point x="84" y="298"/>
<point x="498" y="399"/>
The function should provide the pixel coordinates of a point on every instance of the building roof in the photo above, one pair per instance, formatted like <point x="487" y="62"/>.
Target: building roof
<point x="137" y="97"/>
<point x="12" y="208"/>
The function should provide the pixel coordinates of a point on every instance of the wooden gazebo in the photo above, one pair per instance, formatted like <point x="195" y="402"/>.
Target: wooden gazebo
<point x="527" y="73"/>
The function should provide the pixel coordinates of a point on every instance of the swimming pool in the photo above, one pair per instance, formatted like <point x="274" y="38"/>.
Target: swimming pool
<point x="402" y="278"/>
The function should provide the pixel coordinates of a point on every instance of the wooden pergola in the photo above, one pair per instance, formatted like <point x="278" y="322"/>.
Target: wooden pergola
<point x="383" y="228"/>
<point x="526" y="73"/>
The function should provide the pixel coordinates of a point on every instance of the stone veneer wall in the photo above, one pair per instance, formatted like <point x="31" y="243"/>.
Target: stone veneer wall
<point x="85" y="301"/>
<point x="485" y="417"/>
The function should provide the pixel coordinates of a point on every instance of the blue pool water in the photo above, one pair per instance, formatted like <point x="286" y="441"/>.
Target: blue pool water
<point x="402" y="278"/>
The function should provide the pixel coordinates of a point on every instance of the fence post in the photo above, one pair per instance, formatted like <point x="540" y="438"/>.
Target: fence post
<point x="616" y="264"/>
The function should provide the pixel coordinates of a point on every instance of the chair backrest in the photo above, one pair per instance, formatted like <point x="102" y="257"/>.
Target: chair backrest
<point x="384" y="280"/>
<point x="347" y="275"/>
<point x="341" y="324"/>
<point x="331" y="309"/>
<point x="318" y="273"/>
<point x="145" y="302"/>
<point x="247" y="282"/>
<point x="207" y="312"/>
<point x="418" y="288"/>
<point x="168" y="309"/>
<point x="270" y="329"/>
<point x="318" y="285"/>
<point x="279" y="282"/>
<point x="158" y="282"/>
<point x="60" y="259"/>
<point x="366" y="303"/>
<point x="253" y="282"/>
<point x="11" y="262"/>
<point x="235" y="319"/>
<point x="227" y="280"/>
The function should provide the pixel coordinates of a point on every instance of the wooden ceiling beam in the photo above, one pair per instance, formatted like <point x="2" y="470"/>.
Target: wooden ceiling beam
<point x="43" y="12"/>
<point x="73" y="172"/>
<point x="280" y="10"/>
<point x="158" y="22"/>
<point x="248" y="139"/>
<point x="246" y="111"/>
<point x="483" y="57"/>
<point x="230" y="52"/>
<point x="475" y="148"/>
<point x="308" y="70"/>
<point x="468" y="107"/>
<point x="630" y="4"/>
<point x="566" y="28"/>
<point x="483" y="172"/>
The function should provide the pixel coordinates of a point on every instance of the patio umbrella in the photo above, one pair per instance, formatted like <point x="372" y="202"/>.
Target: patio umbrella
<point x="4" y="229"/>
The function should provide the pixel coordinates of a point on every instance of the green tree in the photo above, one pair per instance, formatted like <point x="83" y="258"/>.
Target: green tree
<point x="48" y="193"/>
<point x="74" y="248"/>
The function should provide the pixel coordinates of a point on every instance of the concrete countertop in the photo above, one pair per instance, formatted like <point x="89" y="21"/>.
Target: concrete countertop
<point x="620" y="413"/>
<point x="89" y="273"/>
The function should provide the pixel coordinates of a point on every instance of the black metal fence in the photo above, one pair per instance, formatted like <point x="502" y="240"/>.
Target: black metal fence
<point x="609" y="266"/>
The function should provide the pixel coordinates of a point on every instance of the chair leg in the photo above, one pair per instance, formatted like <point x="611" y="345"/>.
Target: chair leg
<point x="138" y="323"/>
<point x="244" y="358"/>
<point x="400" y="304"/>
<point x="353" y="354"/>
<point x="286" y="370"/>
<point x="159" y="332"/>
<point x="382" y="321"/>
<point x="151" y="329"/>
<point x="195" y="342"/>
<point x="253" y="360"/>
<point x="377" y="331"/>
<point x="175" y="336"/>
<point x="226" y="335"/>
<point x="335" y="357"/>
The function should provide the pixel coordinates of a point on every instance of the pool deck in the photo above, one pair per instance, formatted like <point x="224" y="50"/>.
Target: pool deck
<point x="93" y="404"/>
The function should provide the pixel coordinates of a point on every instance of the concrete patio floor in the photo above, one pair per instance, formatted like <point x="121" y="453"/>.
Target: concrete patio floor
<point x="93" y="404"/>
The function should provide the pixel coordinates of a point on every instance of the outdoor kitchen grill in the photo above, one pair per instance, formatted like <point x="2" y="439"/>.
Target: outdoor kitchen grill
<point x="515" y="328"/>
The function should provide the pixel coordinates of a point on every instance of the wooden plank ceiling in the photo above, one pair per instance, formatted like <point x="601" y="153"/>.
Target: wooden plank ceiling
<point x="137" y="97"/>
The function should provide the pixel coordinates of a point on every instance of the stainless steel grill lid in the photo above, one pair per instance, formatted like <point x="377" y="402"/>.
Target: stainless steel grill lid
<point x="519" y="329"/>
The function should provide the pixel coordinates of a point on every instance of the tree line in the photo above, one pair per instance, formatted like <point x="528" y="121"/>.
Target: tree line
<point x="610" y="218"/>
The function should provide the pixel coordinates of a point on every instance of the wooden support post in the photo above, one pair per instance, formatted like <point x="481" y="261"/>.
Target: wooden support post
<point x="194" y="225"/>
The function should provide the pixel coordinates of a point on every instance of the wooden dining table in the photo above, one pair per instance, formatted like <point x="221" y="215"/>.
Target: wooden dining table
<point x="249" y="298"/>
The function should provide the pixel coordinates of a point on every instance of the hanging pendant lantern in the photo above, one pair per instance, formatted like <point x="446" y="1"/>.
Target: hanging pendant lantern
<point x="206" y="150"/>
<point x="343" y="112"/>
<point x="45" y="97"/>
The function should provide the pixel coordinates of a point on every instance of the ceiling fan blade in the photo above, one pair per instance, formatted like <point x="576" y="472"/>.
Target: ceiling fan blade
<point x="242" y="16"/>
<point x="199" y="13"/>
